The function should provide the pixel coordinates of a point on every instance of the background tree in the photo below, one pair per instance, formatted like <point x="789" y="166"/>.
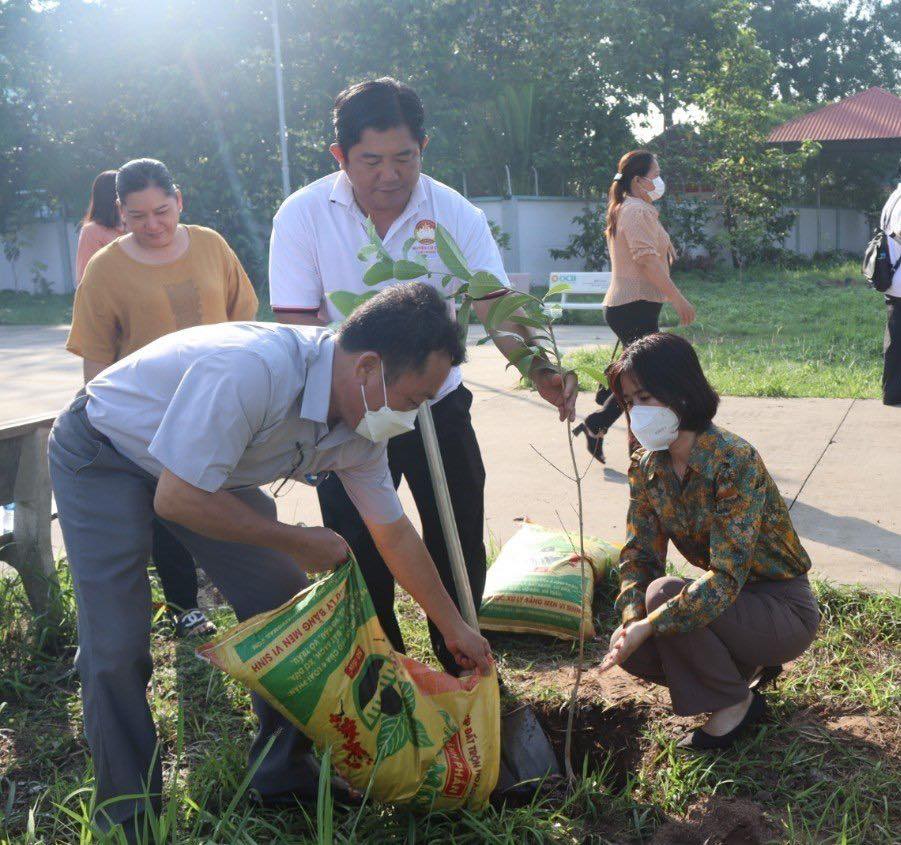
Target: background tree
<point x="749" y="178"/>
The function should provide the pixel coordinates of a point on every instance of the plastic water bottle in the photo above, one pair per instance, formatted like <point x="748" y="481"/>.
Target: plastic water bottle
<point x="7" y="518"/>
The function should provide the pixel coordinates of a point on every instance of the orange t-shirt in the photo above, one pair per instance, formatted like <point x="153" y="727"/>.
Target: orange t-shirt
<point x="92" y="237"/>
<point x="122" y="305"/>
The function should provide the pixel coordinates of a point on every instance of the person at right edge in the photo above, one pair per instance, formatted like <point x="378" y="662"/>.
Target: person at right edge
<point x="890" y="222"/>
<point x="715" y="640"/>
<point x="640" y="257"/>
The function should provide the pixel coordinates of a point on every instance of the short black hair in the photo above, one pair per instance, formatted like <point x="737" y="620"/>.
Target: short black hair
<point x="141" y="173"/>
<point x="377" y="104"/>
<point x="404" y="324"/>
<point x="667" y="366"/>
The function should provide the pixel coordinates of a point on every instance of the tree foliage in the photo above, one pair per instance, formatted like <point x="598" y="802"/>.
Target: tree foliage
<point x="543" y="84"/>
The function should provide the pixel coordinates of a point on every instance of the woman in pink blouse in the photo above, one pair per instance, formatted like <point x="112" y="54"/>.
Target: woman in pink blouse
<point x="102" y="223"/>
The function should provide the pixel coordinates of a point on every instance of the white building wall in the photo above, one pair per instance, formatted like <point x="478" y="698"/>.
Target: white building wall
<point x="50" y="242"/>
<point x="535" y="225"/>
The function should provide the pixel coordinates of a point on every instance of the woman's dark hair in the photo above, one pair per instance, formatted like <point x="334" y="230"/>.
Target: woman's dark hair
<point x="667" y="366"/>
<point x="632" y="164"/>
<point x="144" y="173"/>
<point x="377" y="104"/>
<point x="102" y="208"/>
<point x="404" y="324"/>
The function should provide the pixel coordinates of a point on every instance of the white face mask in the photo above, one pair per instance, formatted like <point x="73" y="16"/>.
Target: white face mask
<point x="658" y="190"/>
<point x="654" y="426"/>
<point x="384" y="423"/>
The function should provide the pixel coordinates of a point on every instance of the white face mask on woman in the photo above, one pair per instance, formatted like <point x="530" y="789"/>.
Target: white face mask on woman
<point x="658" y="190"/>
<point x="654" y="426"/>
<point x="384" y="423"/>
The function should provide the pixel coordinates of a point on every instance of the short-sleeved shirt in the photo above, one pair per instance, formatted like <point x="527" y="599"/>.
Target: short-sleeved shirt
<point x="639" y="233"/>
<point x="726" y="516"/>
<point x="319" y="231"/>
<point x="92" y="238"/>
<point x="123" y="304"/>
<point x="239" y="405"/>
<point x="891" y="224"/>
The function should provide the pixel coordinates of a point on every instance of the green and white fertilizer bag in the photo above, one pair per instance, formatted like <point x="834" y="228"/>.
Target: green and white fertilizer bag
<point x="416" y="736"/>
<point x="536" y="585"/>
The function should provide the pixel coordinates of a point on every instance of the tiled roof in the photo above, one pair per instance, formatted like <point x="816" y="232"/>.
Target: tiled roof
<point x="874" y="114"/>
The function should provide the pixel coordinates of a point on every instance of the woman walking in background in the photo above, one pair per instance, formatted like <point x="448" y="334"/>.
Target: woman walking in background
<point x="640" y="257"/>
<point x="160" y="277"/>
<point x="102" y="223"/>
<point x="714" y="640"/>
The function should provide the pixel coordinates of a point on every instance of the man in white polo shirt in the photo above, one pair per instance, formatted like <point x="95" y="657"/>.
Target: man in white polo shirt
<point x="188" y="429"/>
<point x="317" y="235"/>
<point x="890" y="221"/>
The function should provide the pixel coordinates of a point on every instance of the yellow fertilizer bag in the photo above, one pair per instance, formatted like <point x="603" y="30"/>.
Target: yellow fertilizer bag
<point x="535" y="585"/>
<point x="419" y="736"/>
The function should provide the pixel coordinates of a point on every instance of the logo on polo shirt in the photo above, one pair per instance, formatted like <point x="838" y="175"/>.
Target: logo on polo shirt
<point x="424" y="232"/>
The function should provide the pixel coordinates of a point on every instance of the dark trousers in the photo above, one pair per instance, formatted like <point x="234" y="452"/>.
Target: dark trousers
<point x="770" y="623"/>
<point x="891" y="371"/>
<point x="106" y="514"/>
<point x="466" y="482"/>
<point x="628" y="322"/>
<point x="176" y="569"/>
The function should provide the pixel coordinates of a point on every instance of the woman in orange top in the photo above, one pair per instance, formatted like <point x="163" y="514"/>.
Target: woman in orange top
<point x="640" y="257"/>
<point x="101" y="224"/>
<point x="160" y="277"/>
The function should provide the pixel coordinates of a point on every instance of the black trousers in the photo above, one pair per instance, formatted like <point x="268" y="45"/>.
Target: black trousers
<point x="176" y="569"/>
<point x="466" y="482"/>
<point x="891" y="370"/>
<point x="628" y="322"/>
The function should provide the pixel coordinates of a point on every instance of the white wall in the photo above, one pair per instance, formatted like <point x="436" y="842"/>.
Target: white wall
<point x="52" y="242"/>
<point x="538" y="224"/>
<point x="535" y="225"/>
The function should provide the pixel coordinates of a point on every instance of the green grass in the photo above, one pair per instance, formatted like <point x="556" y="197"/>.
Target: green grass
<point x="778" y="333"/>
<point x="809" y="772"/>
<point x="26" y="309"/>
<point x="774" y="332"/>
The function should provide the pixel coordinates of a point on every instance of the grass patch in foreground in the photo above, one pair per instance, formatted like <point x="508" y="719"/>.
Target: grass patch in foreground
<point x="823" y="769"/>
<point x="778" y="333"/>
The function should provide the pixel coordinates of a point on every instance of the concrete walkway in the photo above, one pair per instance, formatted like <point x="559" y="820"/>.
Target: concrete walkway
<point x="836" y="461"/>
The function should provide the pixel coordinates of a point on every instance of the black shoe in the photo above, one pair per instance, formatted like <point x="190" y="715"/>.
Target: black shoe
<point x="593" y="442"/>
<point x="342" y="796"/>
<point x="767" y="675"/>
<point x="700" y="740"/>
<point x="193" y="623"/>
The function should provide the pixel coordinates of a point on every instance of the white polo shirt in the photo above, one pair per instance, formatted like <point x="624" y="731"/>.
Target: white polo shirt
<point x="891" y="224"/>
<point x="319" y="231"/>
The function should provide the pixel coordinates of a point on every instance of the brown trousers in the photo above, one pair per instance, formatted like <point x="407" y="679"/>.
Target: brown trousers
<point x="770" y="623"/>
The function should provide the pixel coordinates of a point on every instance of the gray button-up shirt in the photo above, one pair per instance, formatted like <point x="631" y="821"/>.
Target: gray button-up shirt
<point x="238" y="405"/>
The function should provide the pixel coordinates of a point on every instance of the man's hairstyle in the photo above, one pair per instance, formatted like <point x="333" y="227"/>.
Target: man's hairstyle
<point x="379" y="104"/>
<point x="667" y="366"/>
<point x="404" y="324"/>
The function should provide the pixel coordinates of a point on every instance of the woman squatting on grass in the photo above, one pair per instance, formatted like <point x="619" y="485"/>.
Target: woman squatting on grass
<point x="712" y="641"/>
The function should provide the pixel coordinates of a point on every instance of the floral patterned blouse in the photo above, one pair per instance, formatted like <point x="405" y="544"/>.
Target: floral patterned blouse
<point x="726" y="516"/>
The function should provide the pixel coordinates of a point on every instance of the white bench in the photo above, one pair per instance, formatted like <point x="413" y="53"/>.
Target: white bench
<point x="580" y="283"/>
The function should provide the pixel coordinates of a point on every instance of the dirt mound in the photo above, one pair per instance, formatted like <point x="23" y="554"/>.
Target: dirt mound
<point x="720" y="821"/>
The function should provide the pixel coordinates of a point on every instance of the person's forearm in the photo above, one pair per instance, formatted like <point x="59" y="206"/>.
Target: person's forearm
<point x="656" y="273"/>
<point x="302" y="318"/>
<point x="91" y="369"/>
<point x="413" y="568"/>
<point x="222" y="516"/>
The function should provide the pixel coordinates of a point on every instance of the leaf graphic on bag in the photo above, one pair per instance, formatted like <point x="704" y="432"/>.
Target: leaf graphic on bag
<point x="420" y="736"/>
<point x="394" y="734"/>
